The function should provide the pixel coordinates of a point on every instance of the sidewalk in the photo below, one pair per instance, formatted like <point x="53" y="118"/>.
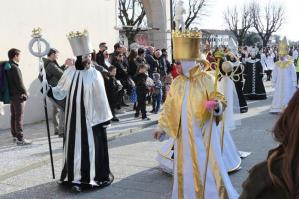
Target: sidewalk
<point x="128" y="124"/>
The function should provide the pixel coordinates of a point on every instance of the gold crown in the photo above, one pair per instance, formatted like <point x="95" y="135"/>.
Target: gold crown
<point x="186" y="44"/>
<point x="36" y="32"/>
<point x="80" y="42"/>
<point x="283" y="47"/>
<point x="74" y="34"/>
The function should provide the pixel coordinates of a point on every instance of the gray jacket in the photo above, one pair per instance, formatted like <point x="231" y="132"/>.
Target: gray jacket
<point x="53" y="72"/>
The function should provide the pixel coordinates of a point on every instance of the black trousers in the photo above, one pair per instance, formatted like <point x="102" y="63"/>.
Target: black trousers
<point x="17" y="117"/>
<point x="141" y="105"/>
<point x="269" y="74"/>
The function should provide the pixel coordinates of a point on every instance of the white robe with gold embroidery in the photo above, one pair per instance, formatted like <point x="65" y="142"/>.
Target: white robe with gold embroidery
<point x="284" y="81"/>
<point x="185" y="118"/>
<point x="211" y="191"/>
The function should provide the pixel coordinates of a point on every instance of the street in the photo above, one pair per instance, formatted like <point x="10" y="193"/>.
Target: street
<point x="26" y="172"/>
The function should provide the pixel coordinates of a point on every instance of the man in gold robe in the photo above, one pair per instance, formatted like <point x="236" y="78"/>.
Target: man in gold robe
<point x="190" y="115"/>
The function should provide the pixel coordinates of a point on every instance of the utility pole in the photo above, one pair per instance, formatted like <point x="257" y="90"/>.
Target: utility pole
<point x="171" y="27"/>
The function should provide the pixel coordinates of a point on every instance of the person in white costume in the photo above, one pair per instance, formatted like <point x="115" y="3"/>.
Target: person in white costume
<point x="231" y="156"/>
<point x="193" y="98"/>
<point x="284" y="79"/>
<point x="269" y="63"/>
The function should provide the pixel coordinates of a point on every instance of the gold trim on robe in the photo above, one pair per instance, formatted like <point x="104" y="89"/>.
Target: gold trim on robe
<point x="201" y="89"/>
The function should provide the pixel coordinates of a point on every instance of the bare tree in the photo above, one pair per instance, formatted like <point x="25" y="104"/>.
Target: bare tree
<point x="194" y="12"/>
<point x="131" y="16"/>
<point x="238" y="22"/>
<point x="268" y="20"/>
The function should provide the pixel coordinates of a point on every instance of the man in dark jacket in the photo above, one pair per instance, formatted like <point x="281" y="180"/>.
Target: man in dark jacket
<point x="18" y="96"/>
<point x="122" y="76"/>
<point x="165" y="64"/>
<point x="117" y="48"/>
<point x="112" y="89"/>
<point x="151" y="61"/>
<point x="53" y="75"/>
<point x="141" y="91"/>
<point x="140" y="59"/>
<point x="100" y="58"/>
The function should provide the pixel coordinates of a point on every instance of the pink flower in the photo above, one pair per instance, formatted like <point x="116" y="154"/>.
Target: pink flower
<point x="210" y="104"/>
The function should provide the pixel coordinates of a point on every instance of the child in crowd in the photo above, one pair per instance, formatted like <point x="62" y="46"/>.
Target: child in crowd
<point x="167" y="83"/>
<point x="157" y="93"/>
<point x="112" y="88"/>
<point x="141" y="91"/>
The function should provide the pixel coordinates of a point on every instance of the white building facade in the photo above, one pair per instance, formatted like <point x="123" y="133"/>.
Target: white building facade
<point x="56" y="18"/>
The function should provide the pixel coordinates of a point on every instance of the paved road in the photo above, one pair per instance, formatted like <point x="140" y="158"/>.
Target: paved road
<point x="132" y="160"/>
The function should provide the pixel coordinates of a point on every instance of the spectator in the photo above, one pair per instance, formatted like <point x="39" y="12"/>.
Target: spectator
<point x="68" y="63"/>
<point x="167" y="83"/>
<point x="124" y="51"/>
<point x="157" y="93"/>
<point x="106" y="59"/>
<point x="100" y="57"/>
<point x="112" y="88"/>
<point x="157" y="56"/>
<point x="297" y="70"/>
<point x="18" y="96"/>
<point x="165" y="64"/>
<point x="277" y="177"/>
<point x="295" y="54"/>
<point x="53" y="75"/>
<point x="98" y="67"/>
<point x="132" y="69"/>
<point x="151" y="61"/>
<point x="140" y="59"/>
<point x="176" y="69"/>
<point x="141" y="90"/>
<point x="117" y="48"/>
<point x="121" y="75"/>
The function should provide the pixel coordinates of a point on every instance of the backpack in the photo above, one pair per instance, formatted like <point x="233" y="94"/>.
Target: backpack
<point x="4" y="87"/>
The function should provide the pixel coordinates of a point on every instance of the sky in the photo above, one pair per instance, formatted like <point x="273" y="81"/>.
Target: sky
<point x="215" y="20"/>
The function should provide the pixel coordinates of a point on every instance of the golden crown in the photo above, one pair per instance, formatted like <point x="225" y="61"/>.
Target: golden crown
<point x="73" y="34"/>
<point x="36" y="32"/>
<point x="283" y="47"/>
<point x="186" y="44"/>
<point x="187" y="34"/>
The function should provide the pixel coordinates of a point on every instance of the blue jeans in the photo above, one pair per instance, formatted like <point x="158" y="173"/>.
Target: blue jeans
<point x="157" y="98"/>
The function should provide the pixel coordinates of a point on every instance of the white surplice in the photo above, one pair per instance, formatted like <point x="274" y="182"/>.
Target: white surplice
<point x="231" y="156"/>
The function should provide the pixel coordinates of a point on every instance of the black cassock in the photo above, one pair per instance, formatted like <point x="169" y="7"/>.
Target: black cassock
<point x="254" y="87"/>
<point x="87" y="114"/>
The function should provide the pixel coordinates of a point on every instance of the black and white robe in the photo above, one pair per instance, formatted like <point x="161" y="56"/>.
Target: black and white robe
<point x="87" y="114"/>
<point x="254" y="87"/>
<point x="238" y="81"/>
